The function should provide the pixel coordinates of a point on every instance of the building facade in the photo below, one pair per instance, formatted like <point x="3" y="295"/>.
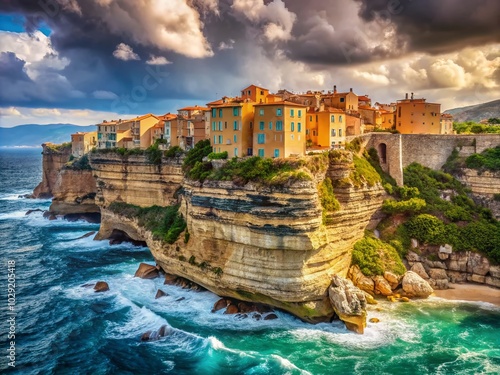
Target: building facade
<point x="82" y="143"/>
<point x="416" y="116"/>
<point x="191" y="126"/>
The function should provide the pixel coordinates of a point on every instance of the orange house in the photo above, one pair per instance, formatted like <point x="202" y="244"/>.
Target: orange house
<point x="416" y="116"/>
<point x="280" y="129"/>
<point x="326" y="127"/>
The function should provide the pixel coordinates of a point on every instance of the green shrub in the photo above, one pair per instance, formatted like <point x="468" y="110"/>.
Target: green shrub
<point x="174" y="151"/>
<point x="217" y="155"/>
<point x="374" y="257"/>
<point x="154" y="154"/>
<point x="372" y="156"/>
<point x="327" y="198"/>
<point x="496" y="197"/>
<point x="489" y="159"/>
<point x="364" y="172"/>
<point x="354" y="145"/>
<point x="410" y="206"/>
<point x="457" y="213"/>
<point x="196" y="155"/>
<point x="425" y="228"/>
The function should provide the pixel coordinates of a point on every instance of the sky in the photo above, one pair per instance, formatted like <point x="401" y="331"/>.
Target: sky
<point x="83" y="61"/>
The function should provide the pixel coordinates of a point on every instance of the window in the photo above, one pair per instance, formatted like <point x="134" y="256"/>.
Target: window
<point x="332" y="118"/>
<point x="310" y="118"/>
<point x="292" y="112"/>
<point x="292" y="126"/>
<point x="270" y="125"/>
<point x="279" y="125"/>
<point x="334" y="133"/>
<point x="261" y="138"/>
<point x="340" y="118"/>
<point x="261" y="152"/>
<point x="236" y="111"/>
<point x="299" y="127"/>
<point x="261" y="112"/>
<point x="214" y="112"/>
<point x="307" y="131"/>
<point x="276" y="152"/>
<point x="251" y="125"/>
<point x="278" y="112"/>
<point x="340" y="132"/>
<point x="220" y="112"/>
<point x="221" y="139"/>
<point x="250" y="151"/>
<point x="261" y="125"/>
<point x="215" y="139"/>
<point x="220" y="125"/>
<point x="235" y="138"/>
<point x="236" y="151"/>
<point x="214" y="126"/>
<point x="167" y="131"/>
<point x="299" y="112"/>
<point x="314" y="133"/>
<point x="399" y="112"/>
<point x="342" y="100"/>
<point x="235" y="125"/>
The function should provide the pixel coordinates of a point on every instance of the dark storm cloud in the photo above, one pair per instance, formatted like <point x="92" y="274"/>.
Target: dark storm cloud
<point x="438" y="26"/>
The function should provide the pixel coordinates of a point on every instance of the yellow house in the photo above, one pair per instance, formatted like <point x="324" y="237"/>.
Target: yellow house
<point x="170" y="132"/>
<point x="279" y="130"/>
<point x="346" y="101"/>
<point x="82" y="143"/>
<point x="255" y="94"/>
<point x="109" y="133"/>
<point x="416" y="116"/>
<point x="141" y="130"/>
<point x="370" y="115"/>
<point x="326" y="127"/>
<point x="232" y="125"/>
<point x="388" y="119"/>
<point x="447" y="124"/>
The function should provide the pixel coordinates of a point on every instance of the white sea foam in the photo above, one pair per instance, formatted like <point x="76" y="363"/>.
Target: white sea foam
<point x="15" y="215"/>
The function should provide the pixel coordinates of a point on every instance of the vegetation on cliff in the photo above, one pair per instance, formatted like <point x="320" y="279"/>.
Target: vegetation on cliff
<point x="79" y="164"/>
<point x="488" y="160"/>
<point x="58" y="148"/>
<point x="327" y="198"/>
<point x="166" y="223"/>
<point x="374" y="257"/>
<point x="475" y="128"/>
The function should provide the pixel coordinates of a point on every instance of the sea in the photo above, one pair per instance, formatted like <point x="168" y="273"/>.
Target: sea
<point x="62" y="327"/>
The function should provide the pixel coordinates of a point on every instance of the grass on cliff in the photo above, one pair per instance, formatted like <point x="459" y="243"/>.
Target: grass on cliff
<point x="166" y="223"/>
<point x="488" y="160"/>
<point x="327" y="198"/>
<point x="58" y="148"/>
<point x="79" y="164"/>
<point x="374" y="257"/>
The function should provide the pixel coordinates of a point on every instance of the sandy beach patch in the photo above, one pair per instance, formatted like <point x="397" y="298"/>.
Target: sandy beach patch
<point x="470" y="292"/>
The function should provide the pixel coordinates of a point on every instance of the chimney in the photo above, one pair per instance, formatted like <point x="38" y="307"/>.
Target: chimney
<point x="334" y="89"/>
<point x="411" y="96"/>
<point x="406" y="96"/>
<point x="350" y="90"/>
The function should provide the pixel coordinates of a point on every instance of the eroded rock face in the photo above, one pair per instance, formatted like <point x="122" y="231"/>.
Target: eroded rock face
<point x="382" y="286"/>
<point x="147" y="271"/>
<point x="392" y="279"/>
<point x="361" y="281"/>
<point x="349" y="303"/>
<point x="416" y="286"/>
<point x="419" y="269"/>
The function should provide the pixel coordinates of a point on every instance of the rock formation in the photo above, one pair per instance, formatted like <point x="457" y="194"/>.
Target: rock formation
<point x="415" y="286"/>
<point x="349" y="303"/>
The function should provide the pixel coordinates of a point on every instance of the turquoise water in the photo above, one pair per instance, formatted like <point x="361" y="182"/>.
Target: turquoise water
<point x="63" y="328"/>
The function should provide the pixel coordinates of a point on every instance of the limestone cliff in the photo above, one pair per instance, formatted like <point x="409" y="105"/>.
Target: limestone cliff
<point x="72" y="189"/>
<point x="251" y="242"/>
<point x="484" y="185"/>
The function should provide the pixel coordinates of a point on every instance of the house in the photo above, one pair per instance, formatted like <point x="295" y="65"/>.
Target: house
<point x="279" y="129"/>
<point x="370" y="115"/>
<point x="169" y="121"/>
<point x="141" y="130"/>
<point x="191" y="126"/>
<point x="109" y="133"/>
<point x="326" y="127"/>
<point x="364" y="100"/>
<point x="416" y="116"/>
<point x="82" y="143"/>
<point x="388" y="119"/>
<point x="447" y="124"/>
<point x="255" y="94"/>
<point x="157" y="131"/>
<point x="346" y="101"/>
<point x="354" y="124"/>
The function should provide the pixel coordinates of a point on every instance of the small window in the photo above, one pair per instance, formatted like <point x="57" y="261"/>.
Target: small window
<point x="299" y="113"/>
<point x="332" y="118"/>
<point x="214" y="126"/>
<point x="250" y="151"/>
<point x="261" y="152"/>
<point x="314" y="133"/>
<point x="261" y="112"/>
<point x="221" y="139"/>
<point x="261" y="125"/>
<point x="307" y="131"/>
<point x="236" y="151"/>
<point x="278" y="112"/>
<point x="340" y="132"/>
<point x="215" y="139"/>
<point x="292" y="113"/>
<point x="225" y="124"/>
<point x="279" y="125"/>
<point x="236" y="111"/>
<point x="270" y="125"/>
<point x="310" y="118"/>
<point x="261" y="138"/>
<point x="235" y="138"/>
<point x="299" y="127"/>
<point x="220" y="125"/>
<point x="214" y="112"/>
<point x="342" y="100"/>
<point x="276" y="152"/>
<point x="235" y="125"/>
<point x="220" y="112"/>
<point x="340" y="118"/>
<point x="292" y="126"/>
<point x="333" y="133"/>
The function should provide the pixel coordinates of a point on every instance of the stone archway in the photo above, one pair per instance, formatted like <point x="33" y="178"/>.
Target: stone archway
<point x="382" y="153"/>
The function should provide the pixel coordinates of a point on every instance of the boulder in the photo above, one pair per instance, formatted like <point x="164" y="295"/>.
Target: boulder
<point x="146" y="336"/>
<point x="414" y="243"/>
<point x="160" y="293"/>
<point x="271" y="316"/>
<point x="374" y="320"/>
<point x="246" y="307"/>
<point x="147" y="271"/>
<point x="457" y="277"/>
<point x="495" y="271"/>
<point x="392" y="279"/>
<point x="101" y="286"/>
<point x="443" y="256"/>
<point x="493" y="281"/>
<point x="219" y="305"/>
<point x="169" y="279"/>
<point x="382" y="286"/>
<point x="458" y="261"/>
<point x="361" y="281"/>
<point x="478" y="264"/>
<point x="348" y="302"/>
<point x="476" y="278"/>
<point x="437" y="273"/>
<point x="404" y="299"/>
<point x="257" y="316"/>
<point x="156" y="335"/>
<point x="231" y="309"/>
<point x="369" y="299"/>
<point x="442" y="284"/>
<point x="434" y="264"/>
<point x="412" y="257"/>
<point x="419" y="269"/>
<point x="445" y="249"/>
<point x="416" y="286"/>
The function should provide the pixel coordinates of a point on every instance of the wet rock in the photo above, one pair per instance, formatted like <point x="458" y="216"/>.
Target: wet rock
<point x="86" y="235"/>
<point x="170" y="279"/>
<point x="391" y="298"/>
<point x="146" y="336"/>
<point x="382" y="286"/>
<point x="219" y="305"/>
<point x="369" y="299"/>
<point x="374" y="320"/>
<point x="361" y="281"/>
<point x="257" y="316"/>
<point x="349" y="303"/>
<point x="246" y="307"/>
<point x="271" y="316"/>
<point x="147" y="271"/>
<point x="263" y="308"/>
<point x="29" y="212"/>
<point x="416" y="286"/>
<point x="241" y="316"/>
<point x="231" y="309"/>
<point x="160" y="293"/>
<point x="101" y="286"/>
<point x="392" y="279"/>
<point x="419" y="269"/>
<point x="164" y="331"/>
<point x="180" y="299"/>
<point x="404" y="299"/>
<point x="89" y="285"/>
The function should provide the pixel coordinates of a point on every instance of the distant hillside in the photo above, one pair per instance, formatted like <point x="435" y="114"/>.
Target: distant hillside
<point x="34" y="135"/>
<point x="476" y="112"/>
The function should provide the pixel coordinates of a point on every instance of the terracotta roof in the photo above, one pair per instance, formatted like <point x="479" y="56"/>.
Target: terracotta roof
<point x="229" y="104"/>
<point x="367" y="107"/>
<point x="139" y="118"/>
<point x="196" y="107"/>
<point x="257" y="87"/>
<point x="446" y="115"/>
<point x="283" y="102"/>
<point x="364" y="98"/>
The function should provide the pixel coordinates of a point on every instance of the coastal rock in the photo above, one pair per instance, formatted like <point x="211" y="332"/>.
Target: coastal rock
<point x="416" y="286"/>
<point x="147" y="271"/>
<point x="414" y="243"/>
<point x="392" y="279"/>
<point x="101" y="286"/>
<point x="458" y="262"/>
<point x="219" y="305"/>
<point x="382" y="286"/>
<point x="231" y="309"/>
<point x="495" y="271"/>
<point x="271" y="316"/>
<point x="170" y="279"/>
<point x="419" y="269"/>
<point x="156" y="335"/>
<point x="404" y="299"/>
<point x="434" y="264"/>
<point x="349" y="303"/>
<point x="476" y="278"/>
<point x="160" y="293"/>
<point x="492" y="281"/>
<point x="29" y="212"/>
<point x="246" y="307"/>
<point x="477" y="264"/>
<point x="374" y="320"/>
<point x="369" y="299"/>
<point x="361" y="281"/>
<point x="86" y="235"/>
<point x="438" y="273"/>
<point x="457" y="277"/>
<point x="439" y="283"/>
<point x="412" y="257"/>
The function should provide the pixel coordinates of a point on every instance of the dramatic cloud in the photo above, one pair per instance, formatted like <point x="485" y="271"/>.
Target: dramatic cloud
<point x="125" y="52"/>
<point x="158" y="60"/>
